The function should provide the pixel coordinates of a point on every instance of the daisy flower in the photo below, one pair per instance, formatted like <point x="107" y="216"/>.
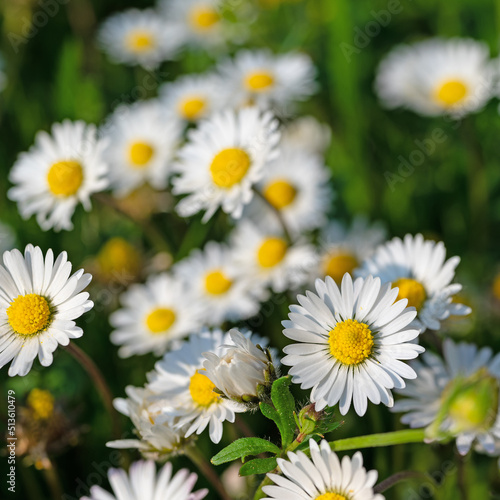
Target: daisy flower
<point x="154" y="315"/>
<point x="269" y="80"/>
<point x="458" y="395"/>
<point x="417" y="267"/>
<point x="186" y="394"/>
<point x="223" y="159"/>
<point x="268" y="259"/>
<point x="349" y="343"/>
<point x="322" y="477"/>
<point x="436" y="77"/>
<point x="143" y="483"/>
<point x="296" y="184"/>
<point x="217" y="285"/>
<point x="142" y="141"/>
<point x="308" y="134"/>
<point x="193" y="97"/>
<point x="139" y="37"/>
<point x="58" y="172"/>
<point x="343" y="248"/>
<point x="39" y="302"/>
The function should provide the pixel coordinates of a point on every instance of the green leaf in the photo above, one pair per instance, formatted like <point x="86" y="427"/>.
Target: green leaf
<point x="284" y="403"/>
<point x="244" y="447"/>
<point x="270" y="412"/>
<point x="258" y="466"/>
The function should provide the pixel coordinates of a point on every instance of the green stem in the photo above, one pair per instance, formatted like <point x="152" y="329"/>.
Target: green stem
<point x="278" y="214"/>
<point x="259" y="493"/>
<point x="399" y="477"/>
<point x="376" y="440"/>
<point x="52" y="478"/>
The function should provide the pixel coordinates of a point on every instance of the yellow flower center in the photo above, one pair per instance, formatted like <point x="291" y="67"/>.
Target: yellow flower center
<point x="217" y="283"/>
<point x="337" y="264"/>
<point x="140" y="154"/>
<point x="191" y="108"/>
<point x="229" y="167"/>
<point x="280" y="193"/>
<point x="331" y="496"/>
<point x="259" y="81"/>
<point x="29" y="314"/>
<point x="272" y="252"/>
<point x="42" y="403"/>
<point x="65" y="178"/>
<point x="140" y="41"/>
<point x="351" y="342"/>
<point x="201" y="389"/>
<point x="451" y="93"/>
<point x="118" y="259"/>
<point x="202" y="18"/>
<point x="160" y="320"/>
<point x="412" y="290"/>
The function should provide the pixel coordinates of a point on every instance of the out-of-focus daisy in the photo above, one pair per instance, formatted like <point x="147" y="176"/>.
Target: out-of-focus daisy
<point x="139" y="37"/>
<point x="343" y="248"/>
<point x="436" y="77"/>
<point x="218" y="286"/>
<point x="193" y="97"/>
<point x="268" y="80"/>
<point x="7" y="238"/>
<point x="296" y="184"/>
<point x="39" y="302"/>
<point x="186" y="394"/>
<point x="143" y="483"/>
<point x="457" y="396"/>
<point x="322" y="477"/>
<point x="142" y="141"/>
<point x="58" y="172"/>
<point x="417" y="267"/>
<point x="224" y="157"/>
<point x="350" y="343"/>
<point x="267" y="258"/>
<point x="154" y="315"/>
<point x="308" y="134"/>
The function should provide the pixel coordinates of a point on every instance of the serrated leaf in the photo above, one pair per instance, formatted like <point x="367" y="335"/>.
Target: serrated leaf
<point x="244" y="447"/>
<point x="284" y="403"/>
<point x="270" y="412"/>
<point x="258" y="466"/>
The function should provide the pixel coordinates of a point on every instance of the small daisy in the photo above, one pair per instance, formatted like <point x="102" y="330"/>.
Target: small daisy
<point x="466" y="384"/>
<point x="436" y="77"/>
<point x="267" y="258"/>
<point x="7" y="238"/>
<point x="296" y="184"/>
<point x="343" y="249"/>
<point x="218" y="286"/>
<point x="308" y="134"/>
<point x="269" y="80"/>
<point x="417" y="267"/>
<point x="139" y="37"/>
<point x="223" y="159"/>
<point x="142" y="142"/>
<point x="143" y="483"/>
<point x="39" y="302"/>
<point x="193" y="97"/>
<point x="58" y="172"/>
<point x="322" y="477"/>
<point x="186" y="394"/>
<point x="154" y="315"/>
<point x="349" y="343"/>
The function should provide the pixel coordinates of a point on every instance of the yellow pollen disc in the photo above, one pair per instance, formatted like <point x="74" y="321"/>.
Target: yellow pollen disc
<point x="351" y="342"/>
<point x="202" y="18"/>
<point x="259" y="81"/>
<point x="280" y="194"/>
<point x="229" y="167"/>
<point x="217" y="283"/>
<point x="160" y="320"/>
<point x="331" y="496"/>
<point x="451" y="93"/>
<point x="191" y="108"/>
<point x="65" y="178"/>
<point x="140" y="41"/>
<point x="41" y="402"/>
<point x="29" y="314"/>
<point x="272" y="252"/>
<point x="201" y="389"/>
<point x="337" y="264"/>
<point x="412" y="290"/>
<point x="140" y="154"/>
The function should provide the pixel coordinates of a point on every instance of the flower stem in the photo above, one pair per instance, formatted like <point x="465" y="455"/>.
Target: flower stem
<point x="376" y="440"/>
<point x="277" y="212"/>
<point x="398" y="477"/>
<point x="52" y="478"/>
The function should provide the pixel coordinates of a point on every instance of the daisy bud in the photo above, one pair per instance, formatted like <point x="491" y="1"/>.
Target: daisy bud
<point x="307" y="421"/>
<point x="243" y="372"/>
